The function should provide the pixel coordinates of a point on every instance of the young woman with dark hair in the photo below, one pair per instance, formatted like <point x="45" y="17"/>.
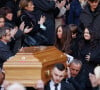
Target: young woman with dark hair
<point x="63" y="38"/>
<point x="89" y="49"/>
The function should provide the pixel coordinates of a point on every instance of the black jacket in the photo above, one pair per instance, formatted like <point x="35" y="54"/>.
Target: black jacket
<point x="5" y="53"/>
<point x="64" y="86"/>
<point x="35" y="37"/>
<point x="30" y="20"/>
<point x="79" y="82"/>
<point x="88" y="66"/>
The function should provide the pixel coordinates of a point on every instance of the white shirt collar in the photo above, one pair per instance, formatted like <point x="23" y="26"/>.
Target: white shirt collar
<point x="52" y="87"/>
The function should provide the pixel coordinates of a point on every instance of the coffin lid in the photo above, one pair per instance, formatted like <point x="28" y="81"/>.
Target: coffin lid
<point x="36" y="56"/>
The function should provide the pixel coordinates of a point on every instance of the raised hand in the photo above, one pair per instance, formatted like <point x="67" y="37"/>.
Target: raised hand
<point x="13" y="31"/>
<point x="61" y="4"/>
<point x="93" y="79"/>
<point x="27" y="29"/>
<point x="42" y="20"/>
<point x="88" y="57"/>
<point x="22" y="25"/>
<point x="68" y="72"/>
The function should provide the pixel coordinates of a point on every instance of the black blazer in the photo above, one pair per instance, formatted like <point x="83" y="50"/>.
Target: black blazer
<point x="64" y="86"/>
<point x="5" y="53"/>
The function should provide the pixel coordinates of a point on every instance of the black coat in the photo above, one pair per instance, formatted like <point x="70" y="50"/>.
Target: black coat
<point x="64" y="86"/>
<point x="16" y="42"/>
<point x="35" y="37"/>
<point x="5" y="53"/>
<point x="74" y="12"/>
<point x="94" y="56"/>
<point x="74" y="47"/>
<point x="47" y="8"/>
<point x="88" y="66"/>
<point x="79" y="82"/>
<point x="30" y="20"/>
<point x="2" y="3"/>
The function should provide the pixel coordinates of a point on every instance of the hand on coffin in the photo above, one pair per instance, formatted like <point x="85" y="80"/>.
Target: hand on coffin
<point x="10" y="58"/>
<point x="40" y="85"/>
<point x="21" y="49"/>
<point x="2" y="76"/>
<point x="6" y="84"/>
<point x="68" y="72"/>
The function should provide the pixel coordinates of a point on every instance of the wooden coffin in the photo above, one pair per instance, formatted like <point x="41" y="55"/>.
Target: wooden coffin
<point x="32" y="64"/>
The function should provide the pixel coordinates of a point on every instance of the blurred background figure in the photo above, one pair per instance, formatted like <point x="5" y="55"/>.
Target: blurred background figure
<point x="59" y="20"/>
<point x="16" y="86"/>
<point x="67" y="6"/>
<point x="95" y="78"/>
<point x="76" y="8"/>
<point x="14" y="6"/>
<point x="2" y="78"/>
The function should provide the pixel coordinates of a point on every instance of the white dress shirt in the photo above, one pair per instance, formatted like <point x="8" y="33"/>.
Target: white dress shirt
<point x="52" y="85"/>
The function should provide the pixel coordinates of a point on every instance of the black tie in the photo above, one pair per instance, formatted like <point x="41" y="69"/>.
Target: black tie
<point x="56" y="85"/>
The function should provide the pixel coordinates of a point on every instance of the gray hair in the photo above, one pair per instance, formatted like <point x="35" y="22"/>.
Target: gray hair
<point x="76" y="61"/>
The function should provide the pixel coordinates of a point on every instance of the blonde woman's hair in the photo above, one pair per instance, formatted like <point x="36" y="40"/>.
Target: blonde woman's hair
<point x="24" y="3"/>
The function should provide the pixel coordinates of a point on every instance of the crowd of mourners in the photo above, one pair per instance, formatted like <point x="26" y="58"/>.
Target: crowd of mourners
<point x="72" y="26"/>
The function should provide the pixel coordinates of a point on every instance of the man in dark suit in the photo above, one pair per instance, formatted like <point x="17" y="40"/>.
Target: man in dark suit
<point x="5" y="52"/>
<point x="75" y="75"/>
<point x="57" y="82"/>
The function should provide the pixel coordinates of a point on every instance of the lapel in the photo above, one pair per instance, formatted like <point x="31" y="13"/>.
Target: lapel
<point x="62" y="88"/>
<point x="47" y="86"/>
<point x="63" y="85"/>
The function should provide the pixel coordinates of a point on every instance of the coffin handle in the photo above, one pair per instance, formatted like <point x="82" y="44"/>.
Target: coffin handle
<point x="47" y="73"/>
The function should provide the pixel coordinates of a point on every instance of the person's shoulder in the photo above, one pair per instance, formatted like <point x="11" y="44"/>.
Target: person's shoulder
<point x="67" y="85"/>
<point x="47" y="83"/>
<point x="3" y="46"/>
<point x="98" y="9"/>
<point x="1" y="43"/>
